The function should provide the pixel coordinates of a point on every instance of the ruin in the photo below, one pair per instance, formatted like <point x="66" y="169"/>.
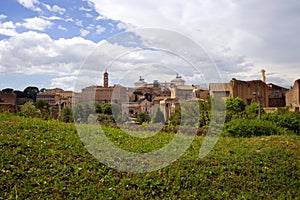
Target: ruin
<point x="8" y="102"/>
<point x="293" y="97"/>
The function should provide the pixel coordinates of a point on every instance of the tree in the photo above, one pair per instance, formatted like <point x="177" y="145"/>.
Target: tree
<point x="83" y="110"/>
<point x="97" y="107"/>
<point x="110" y="108"/>
<point x="106" y="108"/>
<point x="29" y="110"/>
<point x="158" y="117"/>
<point x="42" y="90"/>
<point x="31" y="92"/>
<point x="143" y="117"/>
<point x="190" y="113"/>
<point x="41" y="104"/>
<point x="252" y="110"/>
<point x="20" y="94"/>
<point x="175" y="118"/>
<point x="204" y="109"/>
<point x="235" y="108"/>
<point x="7" y="90"/>
<point x="67" y="115"/>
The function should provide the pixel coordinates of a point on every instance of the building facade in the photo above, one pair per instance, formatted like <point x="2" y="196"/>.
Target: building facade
<point x="277" y="95"/>
<point x="249" y="91"/>
<point x="293" y="96"/>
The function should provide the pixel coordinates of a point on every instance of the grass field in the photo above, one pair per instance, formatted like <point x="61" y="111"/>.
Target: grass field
<point x="47" y="160"/>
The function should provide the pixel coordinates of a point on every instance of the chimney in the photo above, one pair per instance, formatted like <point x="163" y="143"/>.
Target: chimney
<point x="263" y="75"/>
<point x="105" y="79"/>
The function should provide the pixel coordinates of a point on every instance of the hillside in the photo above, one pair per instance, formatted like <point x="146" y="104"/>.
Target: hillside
<point x="47" y="160"/>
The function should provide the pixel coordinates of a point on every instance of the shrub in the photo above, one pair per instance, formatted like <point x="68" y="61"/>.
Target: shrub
<point x="251" y="127"/>
<point x="143" y="117"/>
<point x="83" y="110"/>
<point x="285" y="119"/>
<point x="235" y="108"/>
<point x="29" y="110"/>
<point x="175" y="119"/>
<point x="110" y="108"/>
<point x="44" y="107"/>
<point x="252" y="110"/>
<point x="67" y="115"/>
<point x="106" y="120"/>
<point x="41" y="104"/>
<point x="92" y="119"/>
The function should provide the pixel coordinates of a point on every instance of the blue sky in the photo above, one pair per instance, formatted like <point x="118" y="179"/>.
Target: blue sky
<point x="44" y="43"/>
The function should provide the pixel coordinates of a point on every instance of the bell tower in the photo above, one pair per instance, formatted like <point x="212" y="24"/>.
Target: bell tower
<point x="263" y="75"/>
<point x="105" y="79"/>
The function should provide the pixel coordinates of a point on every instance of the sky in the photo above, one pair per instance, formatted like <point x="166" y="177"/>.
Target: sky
<point x="70" y="43"/>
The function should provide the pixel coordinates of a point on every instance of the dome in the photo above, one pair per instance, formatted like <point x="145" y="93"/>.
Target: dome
<point x="140" y="83"/>
<point x="178" y="80"/>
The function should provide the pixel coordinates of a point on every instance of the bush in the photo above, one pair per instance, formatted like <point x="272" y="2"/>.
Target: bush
<point x="106" y="120"/>
<point x="285" y="119"/>
<point x="67" y="115"/>
<point x="252" y="110"/>
<point x="143" y="117"/>
<point x="235" y="108"/>
<point x="82" y="111"/>
<point x="251" y="127"/>
<point x="29" y="110"/>
<point x="175" y="119"/>
<point x="110" y="108"/>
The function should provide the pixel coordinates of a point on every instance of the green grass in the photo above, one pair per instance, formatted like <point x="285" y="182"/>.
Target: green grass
<point x="47" y="160"/>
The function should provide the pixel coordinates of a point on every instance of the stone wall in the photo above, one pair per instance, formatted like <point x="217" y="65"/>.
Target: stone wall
<point x="10" y="98"/>
<point x="8" y="102"/>
<point x="246" y="89"/>
<point x="293" y="95"/>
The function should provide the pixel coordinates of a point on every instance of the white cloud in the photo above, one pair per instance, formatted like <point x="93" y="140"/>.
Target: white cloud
<point x="84" y="32"/>
<point x="85" y="9"/>
<point x="8" y="28"/>
<point x="69" y="20"/>
<point x="261" y="33"/>
<point x="78" y="23"/>
<point x="100" y="17"/>
<point x="2" y="16"/>
<point x="91" y="26"/>
<point x="62" y="28"/>
<point x="58" y="9"/>
<point x="126" y="26"/>
<point x="65" y="82"/>
<point x="55" y="8"/>
<point x="37" y="53"/>
<point x="8" y="25"/>
<point x="126" y="59"/>
<point x="35" y="24"/>
<point x="100" y="29"/>
<point x="31" y="4"/>
<point x="53" y="18"/>
<point x="88" y="15"/>
<point x="68" y="82"/>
